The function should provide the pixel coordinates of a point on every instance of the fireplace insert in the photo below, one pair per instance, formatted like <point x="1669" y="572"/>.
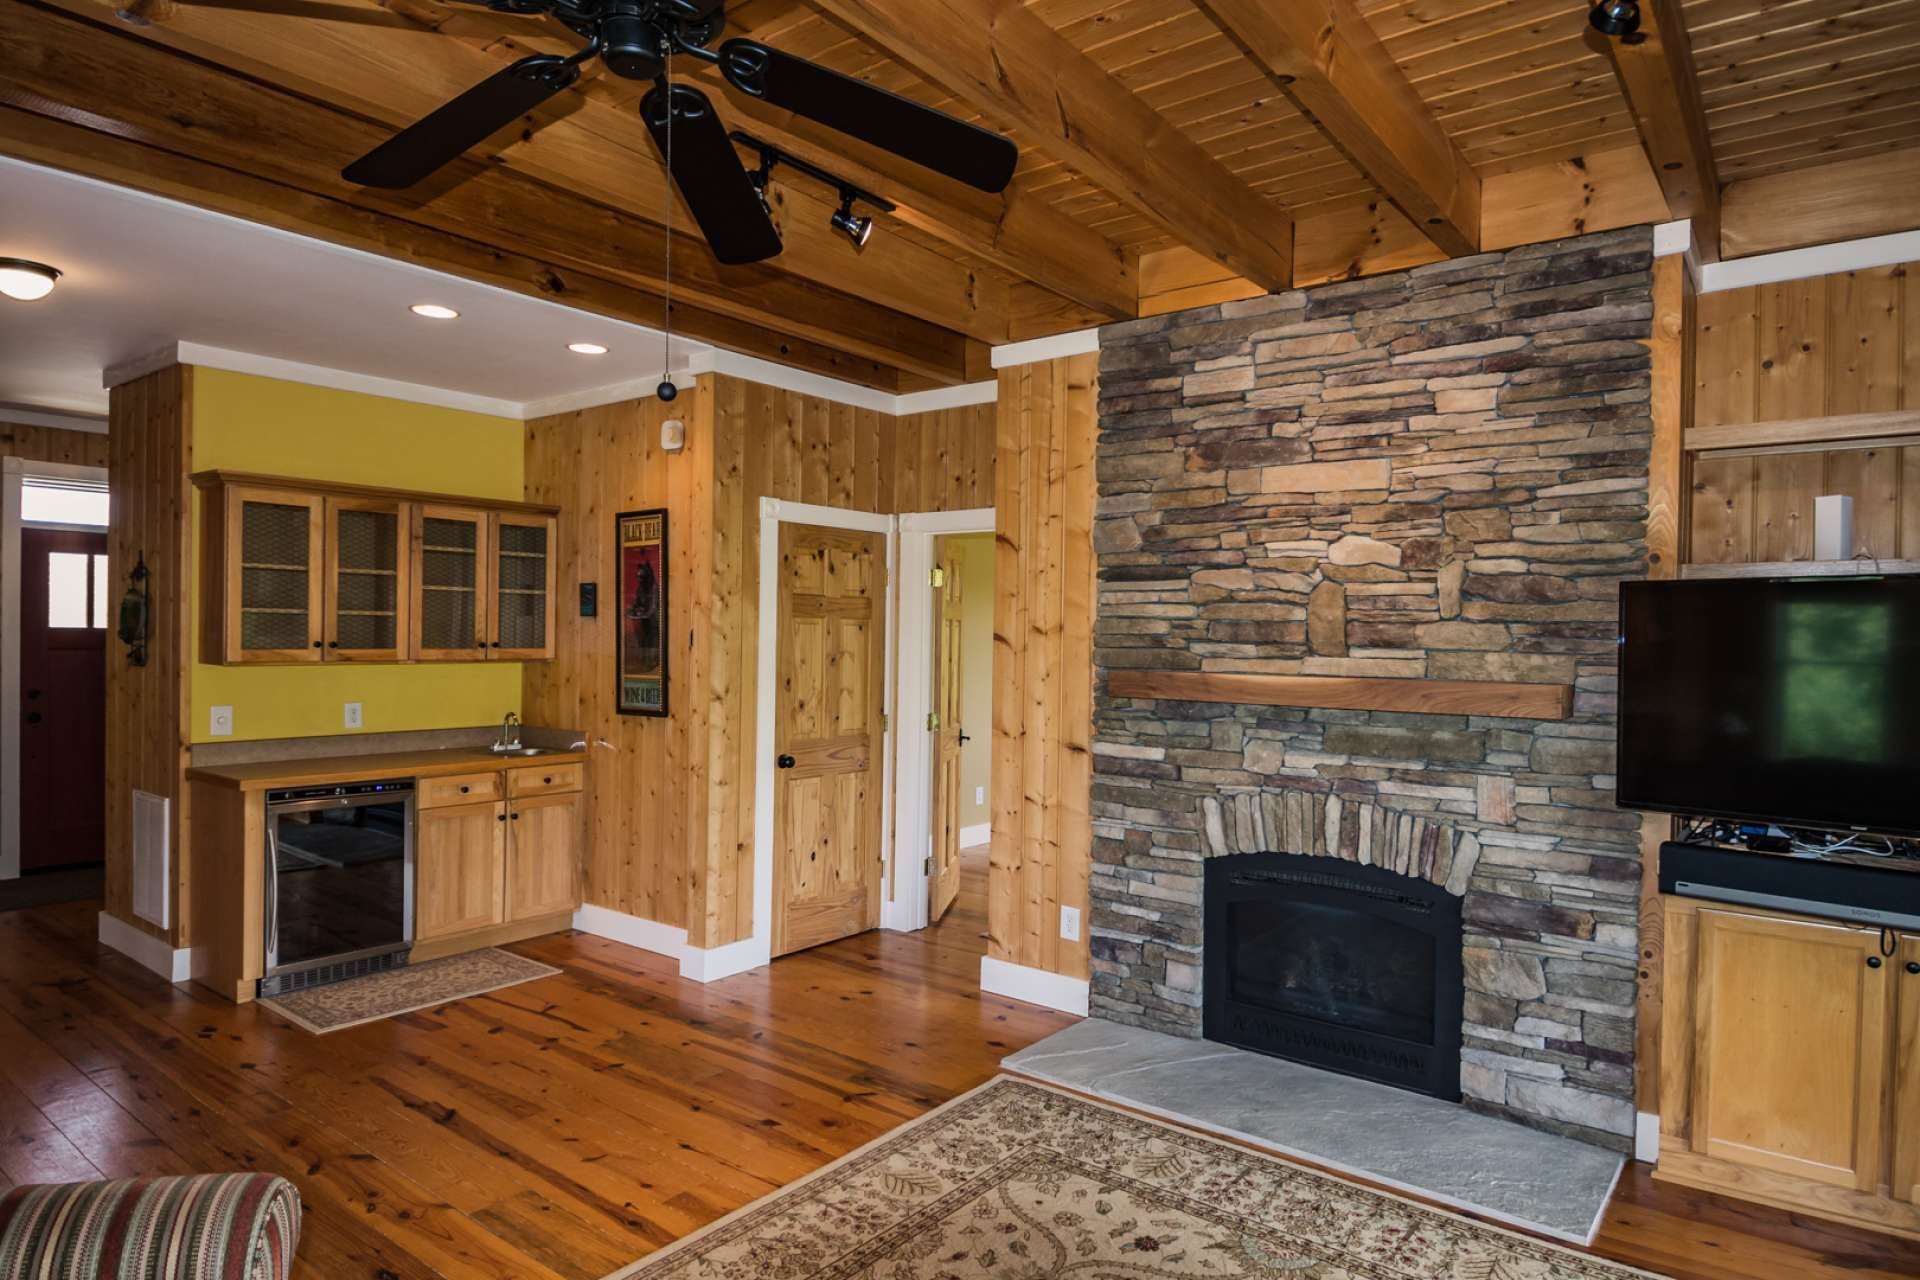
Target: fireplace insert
<point x="1350" y="968"/>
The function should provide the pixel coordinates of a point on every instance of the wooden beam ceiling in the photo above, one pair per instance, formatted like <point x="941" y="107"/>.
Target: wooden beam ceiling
<point x="1871" y="195"/>
<point x="1326" y="56"/>
<point x="1008" y="64"/>
<point x="1657" y="76"/>
<point x="68" y="69"/>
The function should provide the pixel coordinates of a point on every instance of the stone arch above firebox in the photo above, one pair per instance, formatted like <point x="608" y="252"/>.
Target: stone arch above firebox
<point x="1323" y="824"/>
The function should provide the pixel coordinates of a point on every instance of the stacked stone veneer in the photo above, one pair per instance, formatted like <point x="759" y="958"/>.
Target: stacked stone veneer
<point x="1440" y="473"/>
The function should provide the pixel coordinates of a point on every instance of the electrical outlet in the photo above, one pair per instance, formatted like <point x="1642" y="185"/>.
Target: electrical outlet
<point x="979" y="795"/>
<point x="353" y="715"/>
<point x="1070" y="923"/>
<point x="220" y="722"/>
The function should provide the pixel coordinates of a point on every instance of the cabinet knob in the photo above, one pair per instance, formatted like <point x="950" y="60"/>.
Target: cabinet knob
<point x="547" y="781"/>
<point x="516" y="817"/>
<point x="1913" y="966"/>
<point x="333" y="644"/>
<point x="499" y="817"/>
<point x="1873" y="962"/>
<point x="464" y="790"/>
<point x="316" y="644"/>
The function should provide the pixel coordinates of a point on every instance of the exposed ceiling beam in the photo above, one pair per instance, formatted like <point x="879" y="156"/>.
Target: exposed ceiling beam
<point x="1657" y="76"/>
<point x="75" y="149"/>
<point x="1325" y="55"/>
<point x="395" y="71"/>
<point x="70" y="70"/>
<point x="1846" y="200"/>
<point x="1005" y="62"/>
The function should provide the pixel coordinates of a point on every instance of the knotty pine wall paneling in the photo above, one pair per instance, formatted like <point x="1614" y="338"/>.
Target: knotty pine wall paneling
<point x="149" y="455"/>
<point x="1830" y="345"/>
<point x="1043" y="663"/>
<point x="53" y="444"/>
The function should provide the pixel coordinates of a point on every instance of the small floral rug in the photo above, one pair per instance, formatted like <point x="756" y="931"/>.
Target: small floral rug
<point x="1017" y="1181"/>
<point x="340" y="1005"/>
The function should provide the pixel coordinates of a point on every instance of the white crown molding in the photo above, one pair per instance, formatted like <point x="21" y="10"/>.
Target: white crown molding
<point x="613" y="393"/>
<point x="1078" y="343"/>
<point x="1670" y="238"/>
<point x="1819" y="260"/>
<point x="967" y="393"/>
<point x="54" y="418"/>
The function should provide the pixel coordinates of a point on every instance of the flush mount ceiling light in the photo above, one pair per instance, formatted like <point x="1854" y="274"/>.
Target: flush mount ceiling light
<point x="586" y="348"/>
<point x="434" y="311"/>
<point x="26" y="281"/>
<point x="1615" y="17"/>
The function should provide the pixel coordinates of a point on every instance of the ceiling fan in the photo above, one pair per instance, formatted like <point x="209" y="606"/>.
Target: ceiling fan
<point x="635" y="39"/>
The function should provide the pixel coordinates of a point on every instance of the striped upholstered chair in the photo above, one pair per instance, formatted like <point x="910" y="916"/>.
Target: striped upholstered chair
<point x="212" y="1226"/>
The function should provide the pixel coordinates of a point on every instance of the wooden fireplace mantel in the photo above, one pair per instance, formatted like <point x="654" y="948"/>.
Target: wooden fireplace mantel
<point x="1352" y="693"/>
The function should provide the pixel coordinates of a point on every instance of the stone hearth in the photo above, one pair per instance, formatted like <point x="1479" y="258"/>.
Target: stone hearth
<point x="1439" y="473"/>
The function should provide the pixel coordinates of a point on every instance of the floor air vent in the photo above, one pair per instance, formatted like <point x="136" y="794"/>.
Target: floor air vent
<point x="281" y="984"/>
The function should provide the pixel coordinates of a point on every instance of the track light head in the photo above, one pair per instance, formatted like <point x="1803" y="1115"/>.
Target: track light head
<point x="1615" y="17"/>
<point x="853" y="226"/>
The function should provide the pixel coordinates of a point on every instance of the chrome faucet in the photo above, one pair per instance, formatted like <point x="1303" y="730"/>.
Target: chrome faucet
<point x="509" y="732"/>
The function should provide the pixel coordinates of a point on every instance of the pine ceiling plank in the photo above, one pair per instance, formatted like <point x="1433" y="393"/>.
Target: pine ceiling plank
<point x="1009" y="63"/>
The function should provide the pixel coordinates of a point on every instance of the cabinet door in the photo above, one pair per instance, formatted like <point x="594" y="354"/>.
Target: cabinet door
<point x="522" y="611"/>
<point x="460" y="854"/>
<point x="449" y="614"/>
<point x="1790" y="1057"/>
<point x="542" y="844"/>
<point x="272" y="594"/>
<point x="368" y="569"/>
<point x="1906" y="1057"/>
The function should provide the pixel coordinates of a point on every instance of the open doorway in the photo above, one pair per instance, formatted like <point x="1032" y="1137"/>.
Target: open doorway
<point x="54" y="615"/>
<point x="945" y="749"/>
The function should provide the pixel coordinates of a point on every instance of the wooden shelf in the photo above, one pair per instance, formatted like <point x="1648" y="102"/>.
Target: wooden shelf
<point x="1352" y="693"/>
<point x="1803" y="569"/>
<point x="1807" y="433"/>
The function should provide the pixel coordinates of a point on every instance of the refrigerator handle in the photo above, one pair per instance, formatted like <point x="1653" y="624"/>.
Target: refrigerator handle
<point x="272" y="957"/>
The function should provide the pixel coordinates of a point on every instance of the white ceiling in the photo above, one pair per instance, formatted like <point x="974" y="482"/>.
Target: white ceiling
<point x="143" y="274"/>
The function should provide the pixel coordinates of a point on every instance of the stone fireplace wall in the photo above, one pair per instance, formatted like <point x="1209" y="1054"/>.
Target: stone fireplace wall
<point x="1440" y="473"/>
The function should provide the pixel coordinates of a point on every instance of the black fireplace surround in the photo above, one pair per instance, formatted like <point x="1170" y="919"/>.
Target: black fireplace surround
<point x="1350" y="968"/>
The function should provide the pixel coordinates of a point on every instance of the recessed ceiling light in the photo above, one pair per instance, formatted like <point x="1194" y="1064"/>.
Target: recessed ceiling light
<point x="586" y="348"/>
<point x="25" y="281"/>
<point x="434" y="311"/>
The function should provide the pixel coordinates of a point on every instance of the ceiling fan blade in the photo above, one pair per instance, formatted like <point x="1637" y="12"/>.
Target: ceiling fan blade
<point x="710" y="176"/>
<point x="489" y="106"/>
<point x="972" y="155"/>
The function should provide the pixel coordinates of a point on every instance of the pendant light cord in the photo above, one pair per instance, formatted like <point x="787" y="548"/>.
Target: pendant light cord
<point x="666" y="357"/>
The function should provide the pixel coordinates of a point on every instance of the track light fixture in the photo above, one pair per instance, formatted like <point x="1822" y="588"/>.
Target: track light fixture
<point x="856" y="227"/>
<point x="1616" y="18"/>
<point x="850" y="224"/>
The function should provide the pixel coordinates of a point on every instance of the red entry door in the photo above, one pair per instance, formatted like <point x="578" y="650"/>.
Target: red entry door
<point x="63" y="698"/>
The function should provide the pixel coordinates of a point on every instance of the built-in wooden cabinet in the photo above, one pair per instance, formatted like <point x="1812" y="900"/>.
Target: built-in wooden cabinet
<point x="496" y="849"/>
<point x="315" y="573"/>
<point x="1788" y="1065"/>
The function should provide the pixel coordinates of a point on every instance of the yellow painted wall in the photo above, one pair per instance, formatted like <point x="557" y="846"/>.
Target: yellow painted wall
<point x="976" y="677"/>
<point x="242" y="422"/>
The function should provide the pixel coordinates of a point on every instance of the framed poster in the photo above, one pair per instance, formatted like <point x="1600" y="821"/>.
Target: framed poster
<point x="641" y="537"/>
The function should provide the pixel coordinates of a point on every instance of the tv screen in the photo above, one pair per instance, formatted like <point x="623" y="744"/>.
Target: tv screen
<point x="1777" y="700"/>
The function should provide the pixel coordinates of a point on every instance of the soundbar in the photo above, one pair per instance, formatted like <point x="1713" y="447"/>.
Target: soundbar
<point x="1806" y="886"/>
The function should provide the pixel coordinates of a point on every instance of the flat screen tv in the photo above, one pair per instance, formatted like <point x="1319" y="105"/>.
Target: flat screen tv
<point x="1793" y="701"/>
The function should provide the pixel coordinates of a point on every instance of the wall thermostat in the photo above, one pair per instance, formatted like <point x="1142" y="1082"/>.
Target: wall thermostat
<point x="589" y="599"/>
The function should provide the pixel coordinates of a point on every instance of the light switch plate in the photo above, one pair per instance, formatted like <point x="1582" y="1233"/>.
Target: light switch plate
<point x="1070" y="923"/>
<point x="979" y="795"/>
<point x="353" y="715"/>
<point x="220" y="722"/>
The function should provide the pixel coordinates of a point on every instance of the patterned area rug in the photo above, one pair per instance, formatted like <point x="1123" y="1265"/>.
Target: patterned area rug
<point x="340" y="1005"/>
<point x="1016" y="1181"/>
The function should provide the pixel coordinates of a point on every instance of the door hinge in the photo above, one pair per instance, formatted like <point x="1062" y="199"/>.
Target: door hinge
<point x="933" y="721"/>
<point x="929" y="870"/>
<point x="937" y="576"/>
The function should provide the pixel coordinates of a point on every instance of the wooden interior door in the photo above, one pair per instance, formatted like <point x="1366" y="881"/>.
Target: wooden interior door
<point x="448" y="620"/>
<point x="459" y="869"/>
<point x="275" y="555"/>
<point x="64" y="602"/>
<point x="1906" y="1057"/>
<point x="830" y="668"/>
<point x="1816" y="998"/>
<point x="542" y="842"/>
<point x="949" y="734"/>
<point x="368" y="571"/>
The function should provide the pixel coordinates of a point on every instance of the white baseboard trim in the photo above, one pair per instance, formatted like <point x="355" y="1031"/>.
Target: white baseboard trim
<point x="976" y="835"/>
<point x="634" y="931"/>
<point x="1646" y="1137"/>
<point x="710" y="964"/>
<point x="175" y="964"/>
<point x="1035" y="986"/>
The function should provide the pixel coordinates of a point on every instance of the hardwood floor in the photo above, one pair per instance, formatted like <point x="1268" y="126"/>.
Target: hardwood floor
<point x="567" y="1126"/>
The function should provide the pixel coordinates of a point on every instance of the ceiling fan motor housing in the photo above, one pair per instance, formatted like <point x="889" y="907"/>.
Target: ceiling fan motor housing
<point x="632" y="41"/>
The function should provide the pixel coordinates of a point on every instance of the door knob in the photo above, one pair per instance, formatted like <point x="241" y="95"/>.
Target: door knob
<point x="964" y="739"/>
<point x="33" y="695"/>
<point x="785" y="762"/>
<point x="33" y="717"/>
